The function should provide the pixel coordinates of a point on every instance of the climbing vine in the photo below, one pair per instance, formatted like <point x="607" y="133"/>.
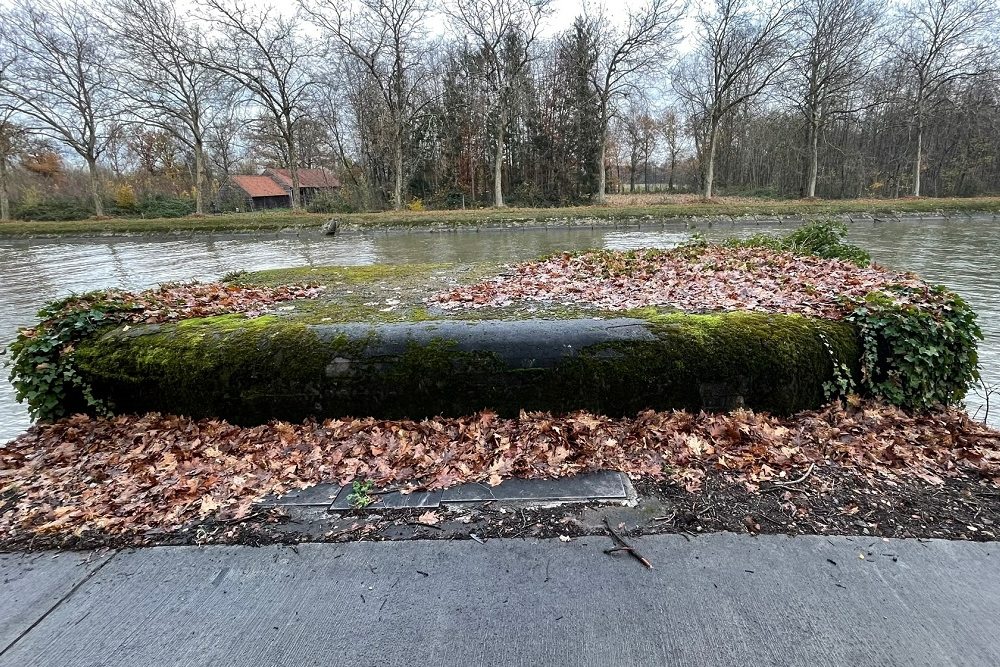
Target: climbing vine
<point x="43" y="370"/>
<point x="918" y="346"/>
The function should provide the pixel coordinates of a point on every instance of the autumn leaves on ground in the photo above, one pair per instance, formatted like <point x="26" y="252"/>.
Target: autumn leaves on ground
<point x="137" y="476"/>
<point x="131" y="478"/>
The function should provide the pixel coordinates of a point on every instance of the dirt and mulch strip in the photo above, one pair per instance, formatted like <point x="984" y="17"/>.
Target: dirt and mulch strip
<point x="850" y="468"/>
<point x="831" y="501"/>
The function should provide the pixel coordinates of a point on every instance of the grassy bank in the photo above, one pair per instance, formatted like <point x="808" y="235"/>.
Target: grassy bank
<point x="621" y="207"/>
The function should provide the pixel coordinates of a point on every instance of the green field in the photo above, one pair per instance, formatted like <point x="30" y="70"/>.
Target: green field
<point x="277" y="220"/>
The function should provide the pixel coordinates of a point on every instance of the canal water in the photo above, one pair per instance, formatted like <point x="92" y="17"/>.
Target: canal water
<point x="963" y="253"/>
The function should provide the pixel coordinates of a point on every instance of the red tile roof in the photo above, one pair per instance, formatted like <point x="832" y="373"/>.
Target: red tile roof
<point x="259" y="186"/>
<point x="308" y="178"/>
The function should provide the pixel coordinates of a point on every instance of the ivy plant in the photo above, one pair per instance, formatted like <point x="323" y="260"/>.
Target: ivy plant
<point x="43" y="370"/>
<point x="918" y="346"/>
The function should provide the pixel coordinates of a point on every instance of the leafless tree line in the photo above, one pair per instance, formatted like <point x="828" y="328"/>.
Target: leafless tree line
<point x="482" y="99"/>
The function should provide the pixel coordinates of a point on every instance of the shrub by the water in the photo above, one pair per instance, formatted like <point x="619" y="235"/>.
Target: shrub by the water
<point x="163" y="206"/>
<point x="824" y="238"/>
<point x="331" y="203"/>
<point x="53" y="210"/>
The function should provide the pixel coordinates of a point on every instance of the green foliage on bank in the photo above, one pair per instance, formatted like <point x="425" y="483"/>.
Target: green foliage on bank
<point x="282" y="219"/>
<point x="158" y="207"/>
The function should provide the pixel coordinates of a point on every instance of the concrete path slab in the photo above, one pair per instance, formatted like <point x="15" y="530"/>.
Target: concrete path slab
<point x="321" y="495"/>
<point x="603" y="485"/>
<point x="715" y="600"/>
<point x="31" y="585"/>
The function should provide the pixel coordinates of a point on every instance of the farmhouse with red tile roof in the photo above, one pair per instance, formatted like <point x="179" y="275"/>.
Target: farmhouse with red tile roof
<point x="272" y="188"/>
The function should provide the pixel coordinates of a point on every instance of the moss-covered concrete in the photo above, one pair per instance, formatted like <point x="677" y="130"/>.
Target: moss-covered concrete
<point x="252" y="370"/>
<point x="337" y="275"/>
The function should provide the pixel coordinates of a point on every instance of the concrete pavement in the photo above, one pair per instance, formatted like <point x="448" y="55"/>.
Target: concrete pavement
<point x="714" y="600"/>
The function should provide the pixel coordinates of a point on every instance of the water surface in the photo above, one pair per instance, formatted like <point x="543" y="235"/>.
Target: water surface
<point x="962" y="253"/>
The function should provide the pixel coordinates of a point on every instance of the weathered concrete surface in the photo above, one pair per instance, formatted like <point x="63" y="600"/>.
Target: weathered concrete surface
<point x="600" y="485"/>
<point x="716" y="600"/>
<point x="33" y="584"/>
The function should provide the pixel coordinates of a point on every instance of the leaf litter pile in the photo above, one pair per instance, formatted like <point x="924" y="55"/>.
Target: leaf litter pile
<point x="154" y="474"/>
<point x="691" y="279"/>
<point x="177" y="301"/>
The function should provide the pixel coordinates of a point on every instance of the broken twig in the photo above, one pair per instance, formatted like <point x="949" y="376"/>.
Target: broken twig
<point x="622" y="545"/>
<point x="798" y="480"/>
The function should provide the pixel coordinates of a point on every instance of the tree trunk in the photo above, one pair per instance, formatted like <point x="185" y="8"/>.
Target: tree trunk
<point x="4" y="189"/>
<point x="602" y="172"/>
<point x="95" y="186"/>
<point x="710" y="167"/>
<point x="920" y="146"/>
<point x="199" y="177"/>
<point x="293" y="164"/>
<point x="397" y="193"/>
<point x="813" y="157"/>
<point x="498" y="169"/>
<point x="673" y="165"/>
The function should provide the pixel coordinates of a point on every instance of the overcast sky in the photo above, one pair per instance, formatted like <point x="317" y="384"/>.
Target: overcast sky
<point x="562" y="11"/>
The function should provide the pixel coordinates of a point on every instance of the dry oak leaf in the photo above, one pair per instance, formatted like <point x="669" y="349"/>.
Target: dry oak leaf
<point x="430" y="518"/>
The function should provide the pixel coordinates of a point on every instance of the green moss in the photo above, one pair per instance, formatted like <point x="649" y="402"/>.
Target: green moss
<point x="218" y="366"/>
<point x="336" y="275"/>
<point x="320" y="311"/>
<point x="719" y="361"/>
<point x="251" y="370"/>
<point x="225" y="323"/>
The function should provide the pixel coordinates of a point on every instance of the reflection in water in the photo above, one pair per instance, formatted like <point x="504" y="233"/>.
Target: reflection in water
<point x="954" y="252"/>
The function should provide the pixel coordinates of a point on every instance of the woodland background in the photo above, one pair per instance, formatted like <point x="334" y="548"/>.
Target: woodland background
<point x="145" y="107"/>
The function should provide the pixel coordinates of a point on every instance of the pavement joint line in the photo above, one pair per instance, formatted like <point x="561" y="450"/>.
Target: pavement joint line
<point x="24" y="633"/>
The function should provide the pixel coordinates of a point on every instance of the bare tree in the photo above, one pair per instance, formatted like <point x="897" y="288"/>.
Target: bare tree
<point x="62" y="78"/>
<point x="625" y="57"/>
<point x="164" y="76"/>
<point x="637" y="132"/>
<point x="10" y="138"/>
<point x="9" y="131"/>
<point x="942" y="41"/>
<point x="504" y="33"/>
<point x="739" y="49"/>
<point x="671" y="128"/>
<point x="224" y="142"/>
<point x="387" y="39"/>
<point x="265" y="53"/>
<point x="836" y="54"/>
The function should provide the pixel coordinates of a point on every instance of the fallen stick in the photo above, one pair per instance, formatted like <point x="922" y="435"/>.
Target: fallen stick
<point x="800" y="479"/>
<point x="624" y="546"/>
<point x="423" y="525"/>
